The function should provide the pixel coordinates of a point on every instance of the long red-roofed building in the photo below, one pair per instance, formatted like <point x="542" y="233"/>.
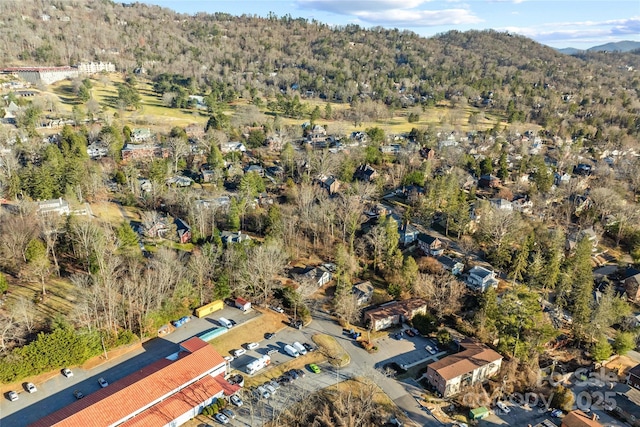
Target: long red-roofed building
<point x="167" y="392"/>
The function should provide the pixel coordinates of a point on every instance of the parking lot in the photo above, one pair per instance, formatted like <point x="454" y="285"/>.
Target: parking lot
<point x="407" y="351"/>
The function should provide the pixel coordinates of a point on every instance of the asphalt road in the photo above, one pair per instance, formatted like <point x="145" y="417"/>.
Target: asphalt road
<point x="57" y="392"/>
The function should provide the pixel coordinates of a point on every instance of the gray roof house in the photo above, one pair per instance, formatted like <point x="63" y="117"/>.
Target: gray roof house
<point x="481" y="279"/>
<point x="363" y="292"/>
<point x="228" y="237"/>
<point x="454" y="266"/>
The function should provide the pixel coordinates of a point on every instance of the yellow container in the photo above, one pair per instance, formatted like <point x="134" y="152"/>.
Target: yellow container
<point x="207" y="309"/>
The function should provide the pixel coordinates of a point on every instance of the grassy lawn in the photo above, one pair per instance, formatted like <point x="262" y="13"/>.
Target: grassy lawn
<point x="332" y="349"/>
<point x="59" y="300"/>
<point x="107" y="211"/>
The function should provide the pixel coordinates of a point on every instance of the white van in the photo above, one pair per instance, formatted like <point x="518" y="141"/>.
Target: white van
<point x="300" y="348"/>
<point x="224" y="322"/>
<point x="291" y="351"/>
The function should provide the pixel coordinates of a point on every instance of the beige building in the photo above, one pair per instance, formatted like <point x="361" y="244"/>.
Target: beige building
<point x="475" y="364"/>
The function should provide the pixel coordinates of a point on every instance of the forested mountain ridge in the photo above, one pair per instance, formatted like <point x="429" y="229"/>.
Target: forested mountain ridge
<point x="574" y="95"/>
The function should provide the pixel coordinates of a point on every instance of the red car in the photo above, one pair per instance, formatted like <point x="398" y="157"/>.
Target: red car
<point x="410" y="333"/>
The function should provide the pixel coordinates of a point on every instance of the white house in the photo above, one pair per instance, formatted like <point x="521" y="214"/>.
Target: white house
<point x="481" y="279"/>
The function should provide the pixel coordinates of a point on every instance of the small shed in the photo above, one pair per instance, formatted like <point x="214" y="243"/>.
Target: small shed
<point x="243" y="304"/>
<point x="479" y="413"/>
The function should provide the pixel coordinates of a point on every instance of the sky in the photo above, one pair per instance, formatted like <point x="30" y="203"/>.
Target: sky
<point x="556" y="23"/>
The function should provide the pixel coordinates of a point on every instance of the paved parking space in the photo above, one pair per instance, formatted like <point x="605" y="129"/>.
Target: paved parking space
<point x="406" y="351"/>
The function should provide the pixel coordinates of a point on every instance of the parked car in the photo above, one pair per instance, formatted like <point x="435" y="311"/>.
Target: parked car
<point x="12" y="395"/>
<point x="430" y="349"/>
<point x="31" y="387"/>
<point x="272" y="351"/>
<point x="103" y="383"/>
<point x="277" y="309"/>
<point x="308" y="346"/>
<point x="252" y="345"/>
<point x="221" y="418"/>
<point x="556" y="413"/>
<point x="236" y="400"/>
<point x="262" y="392"/>
<point x="504" y="407"/>
<point x="270" y="388"/>
<point x="78" y="394"/>
<point x="315" y="368"/>
<point x="284" y="379"/>
<point x="228" y="413"/>
<point x="300" y="373"/>
<point x="293" y="374"/>
<point x="238" y="352"/>
<point x="67" y="372"/>
<point x="269" y="335"/>
<point x="274" y="384"/>
<point x="410" y="333"/>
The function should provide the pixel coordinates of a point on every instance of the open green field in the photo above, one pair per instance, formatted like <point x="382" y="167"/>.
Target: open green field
<point x="153" y="113"/>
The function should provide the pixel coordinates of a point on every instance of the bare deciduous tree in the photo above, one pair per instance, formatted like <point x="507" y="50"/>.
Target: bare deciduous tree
<point x="442" y="291"/>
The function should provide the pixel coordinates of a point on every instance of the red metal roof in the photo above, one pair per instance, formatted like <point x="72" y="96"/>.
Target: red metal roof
<point x="241" y="301"/>
<point x="178" y="404"/>
<point x="131" y="394"/>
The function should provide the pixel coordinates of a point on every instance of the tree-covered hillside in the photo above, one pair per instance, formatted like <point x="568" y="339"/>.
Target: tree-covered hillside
<point x="569" y="95"/>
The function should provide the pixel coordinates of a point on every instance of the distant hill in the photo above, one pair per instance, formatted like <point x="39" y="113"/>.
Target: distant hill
<point x="623" y="46"/>
<point x="569" y="50"/>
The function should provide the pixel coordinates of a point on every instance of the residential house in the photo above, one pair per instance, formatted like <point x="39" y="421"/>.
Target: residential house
<point x="449" y="141"/>
<point x="183" y="230"/>
<point x="145" y="185"/>
<point x="229" y="237"/>
<point x="179" y="181"/>
<point x="157" y="228"/>
<point x="489" y="181"/>
<point x="365" y="173"/>
<point x="453" y="266"/>
<point x="317" y="137"/>
<point x="242" y="304"/>
<point x="329" y="183"/>
<point x="96" y="151"/>
<point x="254" y="168"/>
<point x="207" y="174"/>
<point x="575" y="237"/>
<point x="583" y="169"/>
<point x="390" y="149"/>
<point x="53" y="206"/>
<point x="522" y="204"/>
<point x="394" y="313"/>
<point x="232" y="146"/>
<point x="363" y="292"/>
<point x="632" y="284"/>
<point x="561" y="178"/>
<point x="320" y="275"/>
<point x="139" y="135"/>
<point x="481" y="279"/>
<point x="428" y="153"/>
<point x="408" y="234"/>
<point x="475" y="364"/>
<point x="633" y="376"/>
<point x="577" y="418"/>
<point x="502" y="204"/>
<point x="430" y="245"/>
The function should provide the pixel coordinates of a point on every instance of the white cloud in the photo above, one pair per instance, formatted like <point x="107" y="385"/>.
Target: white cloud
<point x="349" y="7"/>
<point x="581" y="31"/>
<point x="420" y="18"/>
<point x="404" y="13"/>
